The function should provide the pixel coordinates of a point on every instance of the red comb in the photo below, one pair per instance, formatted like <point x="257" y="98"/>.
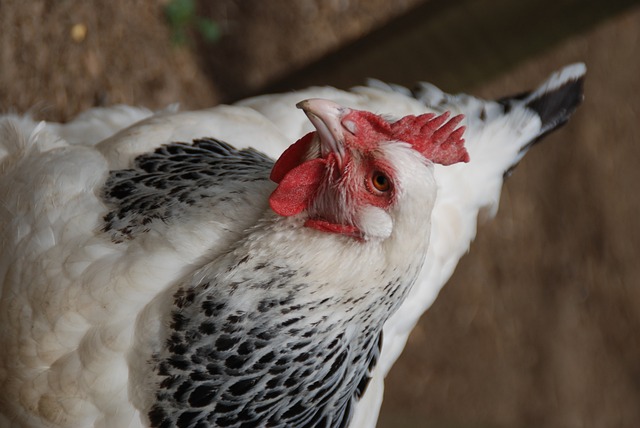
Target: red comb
<point x="438" y="140"/>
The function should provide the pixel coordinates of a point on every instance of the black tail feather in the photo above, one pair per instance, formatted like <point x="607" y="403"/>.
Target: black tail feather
<point x="554" y="102"/>
<point x="557" y="99"/>
<point x="556" y="106"/>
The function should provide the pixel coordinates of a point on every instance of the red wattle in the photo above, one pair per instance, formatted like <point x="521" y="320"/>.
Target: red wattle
<point x="325" y="226"/>
<point x="297" y="187"/>
<point x="291" y="158"/>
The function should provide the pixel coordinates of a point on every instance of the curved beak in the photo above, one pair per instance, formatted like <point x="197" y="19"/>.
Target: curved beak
<point x="326" y="116"/>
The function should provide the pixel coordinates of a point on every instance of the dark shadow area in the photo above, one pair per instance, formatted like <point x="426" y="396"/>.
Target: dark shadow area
<point x="456" y="45"/>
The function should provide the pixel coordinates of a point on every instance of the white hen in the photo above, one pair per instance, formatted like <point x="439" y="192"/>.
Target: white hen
<point x="71" y="301"/>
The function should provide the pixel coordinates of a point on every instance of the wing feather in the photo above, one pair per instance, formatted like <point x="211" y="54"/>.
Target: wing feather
<point x="70" y="295"/>
<point x="180" y="180"/>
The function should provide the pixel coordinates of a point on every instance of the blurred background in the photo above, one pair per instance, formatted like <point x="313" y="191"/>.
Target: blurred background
<point x="540" y="324"/>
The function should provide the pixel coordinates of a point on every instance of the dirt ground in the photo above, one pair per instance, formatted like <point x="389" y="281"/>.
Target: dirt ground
<point x="539" y="325"/>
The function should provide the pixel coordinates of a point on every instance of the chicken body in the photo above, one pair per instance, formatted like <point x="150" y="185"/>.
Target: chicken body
<point x="124" y="310"/>
<point x="277" y="321"/>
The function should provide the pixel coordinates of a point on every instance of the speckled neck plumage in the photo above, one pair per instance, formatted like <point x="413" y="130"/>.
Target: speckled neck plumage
<point x="258" y="342"/>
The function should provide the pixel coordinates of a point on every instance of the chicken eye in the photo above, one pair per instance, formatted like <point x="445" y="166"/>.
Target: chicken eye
<point x="380" y="182"/>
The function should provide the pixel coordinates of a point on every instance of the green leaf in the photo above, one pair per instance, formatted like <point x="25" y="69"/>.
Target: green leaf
<point x="180" y="12"/>
<point x="209" y="30"/>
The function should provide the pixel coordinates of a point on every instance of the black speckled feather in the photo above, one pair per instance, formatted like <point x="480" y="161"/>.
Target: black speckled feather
<point x="175" y="178"/>
<point x="267" y="365"/>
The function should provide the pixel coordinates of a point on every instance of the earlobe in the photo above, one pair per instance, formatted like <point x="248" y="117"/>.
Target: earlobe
<point x="375" y="222"/>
